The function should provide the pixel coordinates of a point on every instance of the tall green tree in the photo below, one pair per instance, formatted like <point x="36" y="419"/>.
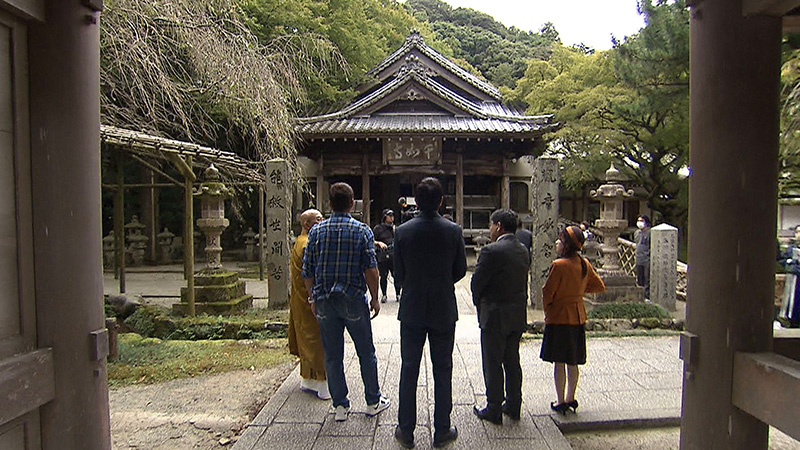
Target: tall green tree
<point x="789" y="150"/>
<point x="362" y="31"/>
<point x="629" y="105"/>
<point x="499" y="53"/>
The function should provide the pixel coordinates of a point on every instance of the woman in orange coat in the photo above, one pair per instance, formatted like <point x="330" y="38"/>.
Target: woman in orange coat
<point x="564" y="341"/>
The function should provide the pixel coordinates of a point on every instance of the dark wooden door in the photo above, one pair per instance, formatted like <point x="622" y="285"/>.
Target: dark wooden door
<point x="26" y="371"/>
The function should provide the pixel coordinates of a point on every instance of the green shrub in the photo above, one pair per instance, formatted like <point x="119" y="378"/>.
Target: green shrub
<point x="155" y="321"/>
<point x="628" y="311"/>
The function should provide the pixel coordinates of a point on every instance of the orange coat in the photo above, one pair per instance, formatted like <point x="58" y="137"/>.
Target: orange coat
<point x="563" y="291"/>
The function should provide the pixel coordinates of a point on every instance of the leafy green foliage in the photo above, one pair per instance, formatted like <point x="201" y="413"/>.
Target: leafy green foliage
<point x="629" y="105"/>
<point x="628" y="311"/>
<point x="499" y="53"/>
<point x="789" y="175"/>
<point x="362" y="31"/>
<point x="149" y="360"/>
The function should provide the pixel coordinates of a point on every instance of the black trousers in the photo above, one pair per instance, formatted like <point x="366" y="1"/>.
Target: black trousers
<point x="500" y="355"/>
<point x="384" y="268"/>
<point x="412" y="339"/>
<point x="643" y="277"/>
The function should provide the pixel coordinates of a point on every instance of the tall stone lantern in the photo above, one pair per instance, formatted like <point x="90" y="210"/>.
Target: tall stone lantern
<point x="216" y="291"/>
<point x="212" y="221"/>
<point x="620" y="287"/>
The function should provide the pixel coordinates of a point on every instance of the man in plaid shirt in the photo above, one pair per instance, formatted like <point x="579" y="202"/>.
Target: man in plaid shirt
<point x="338" y="266"/>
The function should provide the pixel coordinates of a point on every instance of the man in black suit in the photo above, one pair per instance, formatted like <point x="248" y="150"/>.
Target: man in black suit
<point x="429" y="257"/>
<point x="499" y="291"/>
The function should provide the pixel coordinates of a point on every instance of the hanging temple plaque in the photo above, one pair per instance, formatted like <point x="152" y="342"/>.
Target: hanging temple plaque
<point x="414" y="151"/>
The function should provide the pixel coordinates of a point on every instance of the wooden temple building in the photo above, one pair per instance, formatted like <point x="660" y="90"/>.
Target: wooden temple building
<point x="422" y="115"/>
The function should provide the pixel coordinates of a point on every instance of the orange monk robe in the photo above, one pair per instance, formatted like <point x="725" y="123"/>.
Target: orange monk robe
<point x="304" y="337"/>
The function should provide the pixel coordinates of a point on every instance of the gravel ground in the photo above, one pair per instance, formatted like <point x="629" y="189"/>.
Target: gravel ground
<point x="195" y="413"/>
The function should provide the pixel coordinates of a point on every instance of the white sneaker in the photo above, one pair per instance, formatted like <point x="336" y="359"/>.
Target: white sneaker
<point x="307" y="385"/>
<point x="377" y="408"/>
<point x="383" y="299"/>
<point x="322" y="390"/>
<point x="340" y="413"/>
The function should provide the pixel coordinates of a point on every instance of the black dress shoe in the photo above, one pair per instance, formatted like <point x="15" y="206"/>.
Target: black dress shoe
<point x="445" y="438"/>
<point x="513" y="413"/>
<point x="485" y="414"/>
<point x="406" y="440"/>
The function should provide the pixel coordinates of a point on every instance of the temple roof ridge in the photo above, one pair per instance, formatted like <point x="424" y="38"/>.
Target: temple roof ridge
<point x="415" y="40"/>
<point x="413" y="70"/>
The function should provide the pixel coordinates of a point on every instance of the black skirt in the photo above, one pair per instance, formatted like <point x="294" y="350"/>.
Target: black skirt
<point x="564" y="344"/>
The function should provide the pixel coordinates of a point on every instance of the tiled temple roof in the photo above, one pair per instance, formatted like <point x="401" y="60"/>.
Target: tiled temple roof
<point x="441" y="106"/>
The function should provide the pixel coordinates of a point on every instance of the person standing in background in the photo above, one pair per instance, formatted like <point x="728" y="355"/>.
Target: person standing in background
<point x="304" y="338"/>
<point x="642" y="239"/>
<point x="384" y="241"/>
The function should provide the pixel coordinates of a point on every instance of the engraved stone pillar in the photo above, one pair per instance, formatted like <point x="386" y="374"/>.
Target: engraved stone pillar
<point x="663" y="265"/>
<point x="278" y="223"/>
<point x="544" y="206"/>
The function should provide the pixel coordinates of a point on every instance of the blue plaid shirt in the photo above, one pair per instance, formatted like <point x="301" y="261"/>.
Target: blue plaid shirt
<point x="339" y="250"/>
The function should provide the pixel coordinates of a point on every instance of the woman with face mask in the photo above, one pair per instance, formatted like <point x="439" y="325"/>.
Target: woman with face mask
<point x="564" y="343"/>
<point x="642" y="239"/>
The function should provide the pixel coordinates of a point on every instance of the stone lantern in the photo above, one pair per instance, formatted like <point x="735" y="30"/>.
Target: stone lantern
<point x="109" y="242"/>
<point x="250" y="244"/>
<point x="620" y="287"/>
<point x="216" y="291"/>
<point x="165" y="243"/>
<point x="137" y="242"/>
<point x="212" y="219"/>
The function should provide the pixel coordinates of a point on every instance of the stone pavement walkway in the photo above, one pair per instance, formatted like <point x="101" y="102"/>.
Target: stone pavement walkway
<point x="631" y="380"/>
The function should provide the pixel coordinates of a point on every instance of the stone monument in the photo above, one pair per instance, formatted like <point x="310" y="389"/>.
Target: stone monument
<point x="544" y="203"/>
<point x="663" y="265"/>
<point x="217" y="291"/>
<point x="620" y="287"/>
<point x="278" y="223"/>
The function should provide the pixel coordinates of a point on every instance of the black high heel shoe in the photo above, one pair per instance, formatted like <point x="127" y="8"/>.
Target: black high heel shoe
<point x="560" y="408"/>
<point x="573" y="405"/>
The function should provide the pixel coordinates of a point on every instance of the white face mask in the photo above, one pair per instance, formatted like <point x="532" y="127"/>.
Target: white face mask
<point x="640" y="225"/>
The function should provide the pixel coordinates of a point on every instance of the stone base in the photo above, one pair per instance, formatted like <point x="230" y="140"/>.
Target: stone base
<point x="216" y="292"/>
<point x="234" y="306"/>
<point x="620" y="288"/>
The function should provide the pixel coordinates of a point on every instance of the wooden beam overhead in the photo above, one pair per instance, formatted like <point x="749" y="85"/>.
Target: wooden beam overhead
<point x="768" y="7"/>
<point x="791" y="24"/>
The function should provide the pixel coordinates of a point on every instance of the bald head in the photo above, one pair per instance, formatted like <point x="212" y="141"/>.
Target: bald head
<point x="309" y="218"/>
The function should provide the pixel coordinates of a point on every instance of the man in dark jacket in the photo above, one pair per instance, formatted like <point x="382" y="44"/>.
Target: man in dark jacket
<point x="384" y="243"/>
<point x="429" y="258"/>
<point x="499" y="291"/>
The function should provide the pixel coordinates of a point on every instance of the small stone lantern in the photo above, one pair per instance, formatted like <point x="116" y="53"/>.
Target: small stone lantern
<point x="137" y="242"/>
<point x="620" y="287"/>
<point x="250" y="244"/>
<point x="165" y="244"/>
<point x="212" y="219"/>
<point x="109" y="242"/>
